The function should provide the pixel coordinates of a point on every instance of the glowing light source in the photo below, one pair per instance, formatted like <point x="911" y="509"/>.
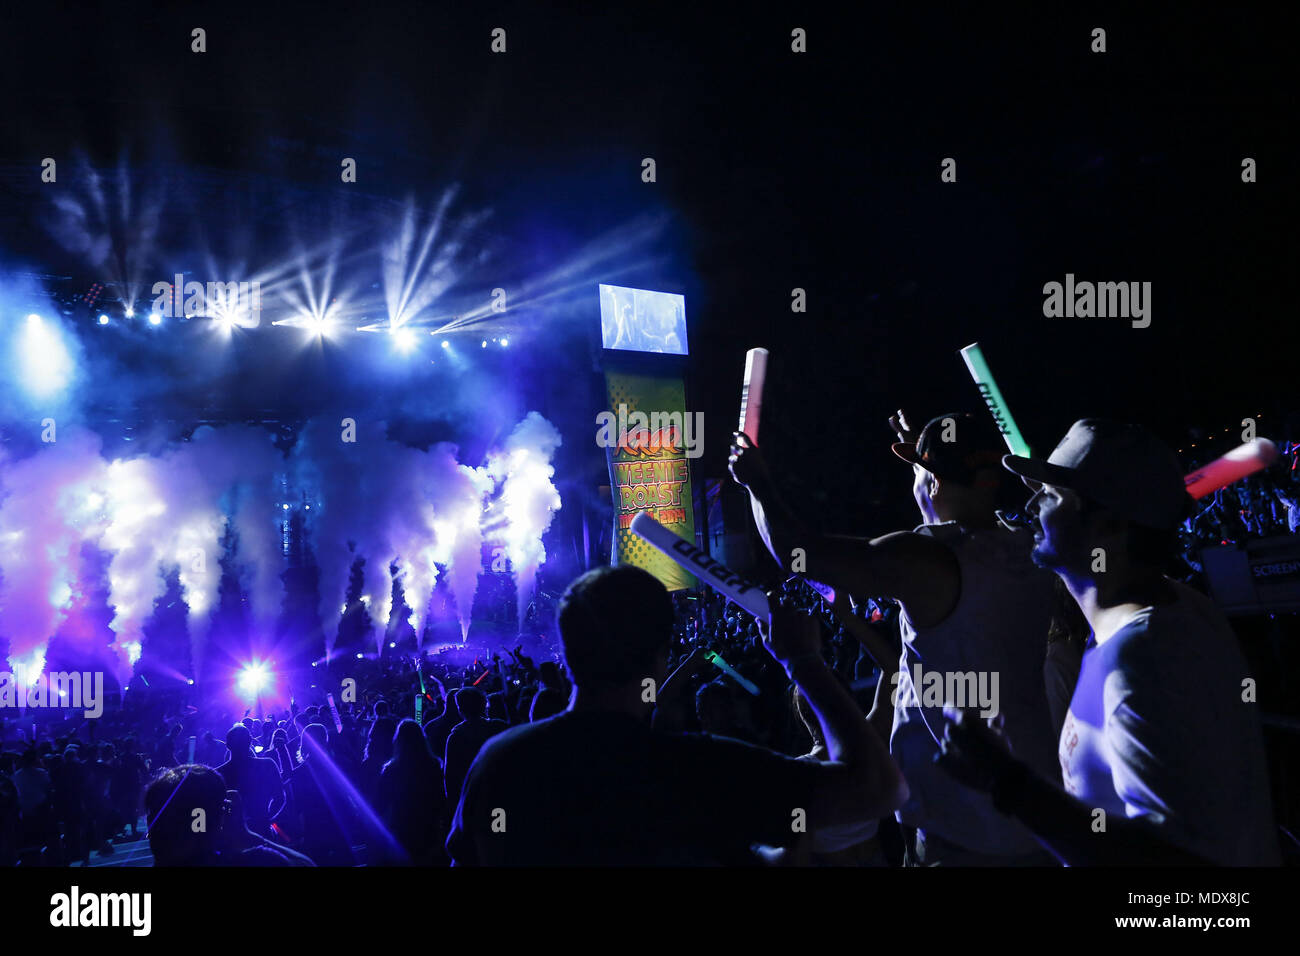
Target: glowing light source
<point x="253" y="679"/>
<point x="446" y="344"/>
<point x="130" y="312"/>
<point x="485" y="343"/>
<point x="404" y="340"/>
<point x="155" y="318"/>
<point x="103" y="320"/>
<point x="46" y="365"/>
<point x="504" y="341"/>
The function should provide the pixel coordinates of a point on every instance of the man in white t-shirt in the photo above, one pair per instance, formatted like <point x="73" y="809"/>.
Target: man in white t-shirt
<point x="1162" y="754"/>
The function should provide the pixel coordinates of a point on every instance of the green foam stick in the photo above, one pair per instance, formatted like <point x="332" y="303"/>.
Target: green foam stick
<point x="992" y="395"/>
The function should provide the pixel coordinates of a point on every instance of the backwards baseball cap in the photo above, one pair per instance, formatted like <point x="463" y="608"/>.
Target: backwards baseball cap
<point x="954" y="446"/>
<point x="1124" y="468"/>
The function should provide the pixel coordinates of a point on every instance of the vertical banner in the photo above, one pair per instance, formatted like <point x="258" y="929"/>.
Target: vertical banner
<point x="649" y="470"/>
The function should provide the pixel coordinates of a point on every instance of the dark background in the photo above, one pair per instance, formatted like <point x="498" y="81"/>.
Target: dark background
<point x="775" y="171"/>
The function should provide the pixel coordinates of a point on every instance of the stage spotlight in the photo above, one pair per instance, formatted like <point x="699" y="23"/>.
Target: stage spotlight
<point x="404" y="340"/>
<point x="504" y="342"/>
<point x="130" y="312"/>
<point x="360" y="655"/>
<point x="103" y="320"/>
<point x="446" y="344"/>
<point x="155" y="318"/>
<point x="253" y="679"/>
<point x="45" y="365"/>
<point x="190" y="681"/>
<point x="485" y="343"/>
<point x="392" y="643"/>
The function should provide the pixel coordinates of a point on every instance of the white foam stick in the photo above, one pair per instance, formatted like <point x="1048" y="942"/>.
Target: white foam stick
<point x="717" y="575"/>
<point x="751" y="394"/>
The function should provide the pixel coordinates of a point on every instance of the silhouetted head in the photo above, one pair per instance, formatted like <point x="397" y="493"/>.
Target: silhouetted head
<point x="547" y="702"/>
<point x="238" y="740"/>
<point x="616" y="625"/>
<point x="170" y="802"/>
<point x="409" y="744"/>
<point x="379" y="743"/>
<point x="471" y="703"/>
<point x="314" y="741"/>
<point x="715" y="707"/>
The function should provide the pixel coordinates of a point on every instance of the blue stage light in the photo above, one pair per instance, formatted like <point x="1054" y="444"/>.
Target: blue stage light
<point x="155" y="318"/>
<point x="404" y="340"/>
<point x="253" y="679"/>
<point x="46" y="366"/>
<point x="103" y="320"/>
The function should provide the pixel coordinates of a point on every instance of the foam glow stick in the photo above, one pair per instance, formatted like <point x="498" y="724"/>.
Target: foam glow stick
<point x="334" y="712"/>
<point x="731" y="672"/>
<point x="1237" y="464"/>
<point x="745" y="593"/>
<point x="992" y="395"/>
<point x="481" y="676"/>
<point x="825" y="590"/>
<point x="193" y="741"/>
<point x="419" y="709"/>
<point x="751" y="393"/>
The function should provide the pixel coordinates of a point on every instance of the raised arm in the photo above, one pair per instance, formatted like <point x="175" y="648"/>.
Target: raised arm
<point x="861" y="779"/>
<point x="919" y="571"/>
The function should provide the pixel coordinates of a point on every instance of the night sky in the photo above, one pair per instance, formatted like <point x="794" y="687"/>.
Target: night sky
<point x="775" y="170"/>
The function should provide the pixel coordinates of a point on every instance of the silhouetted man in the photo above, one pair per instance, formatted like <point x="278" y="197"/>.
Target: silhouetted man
<point x="256" y="778"/>
<point x="596" y="785"/>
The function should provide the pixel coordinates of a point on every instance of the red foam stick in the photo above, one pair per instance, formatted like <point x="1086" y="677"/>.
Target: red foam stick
<point x="1237" y="464"/>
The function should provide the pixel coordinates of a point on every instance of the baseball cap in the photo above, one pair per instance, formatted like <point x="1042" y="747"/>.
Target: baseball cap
<point x="1124" y="468"/>
<point x="973" y="444"/>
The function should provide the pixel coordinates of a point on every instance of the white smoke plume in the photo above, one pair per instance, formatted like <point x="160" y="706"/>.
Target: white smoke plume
<point x="372" y="498"/>
<point x="528" y="499"/>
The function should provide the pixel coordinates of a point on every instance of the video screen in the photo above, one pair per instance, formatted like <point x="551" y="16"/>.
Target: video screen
<point x="637" y="320"/>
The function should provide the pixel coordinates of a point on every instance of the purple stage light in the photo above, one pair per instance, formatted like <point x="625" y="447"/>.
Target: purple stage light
<point x="253" y="679"/>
